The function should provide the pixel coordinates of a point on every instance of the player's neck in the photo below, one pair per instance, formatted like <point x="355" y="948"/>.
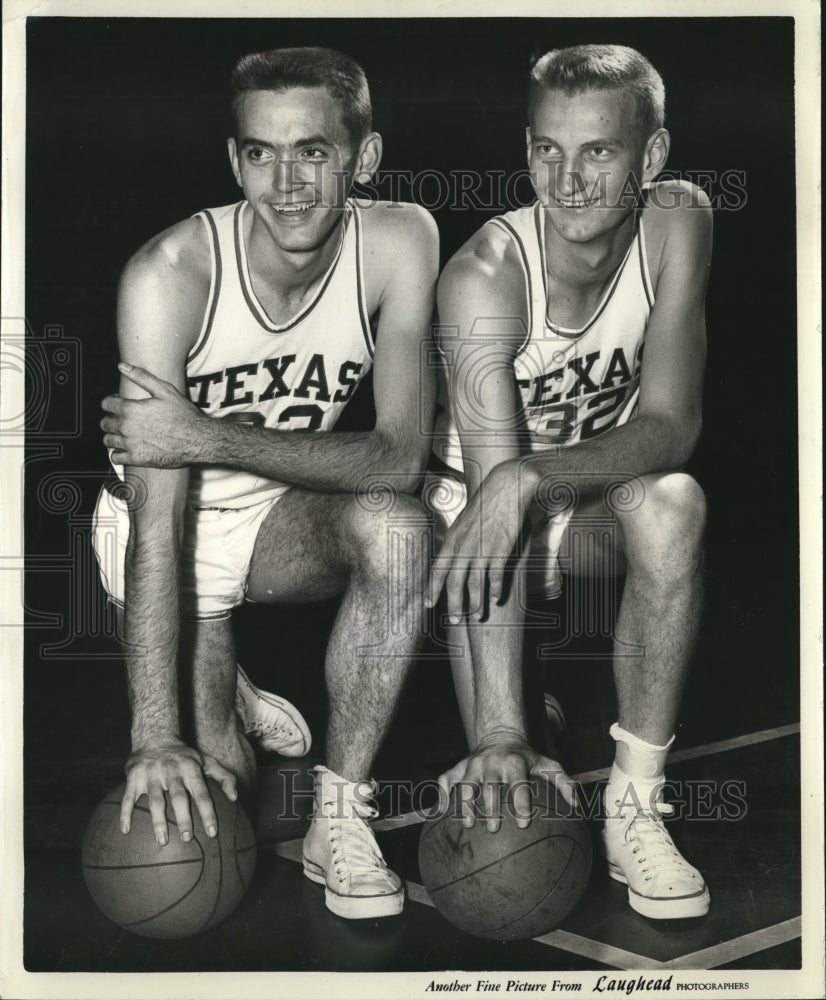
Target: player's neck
<point x="587" y="264"/>
<point x="290" y="272"/>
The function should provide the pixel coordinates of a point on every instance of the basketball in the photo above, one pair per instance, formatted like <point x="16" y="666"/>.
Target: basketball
<point x="512" y="884"/>
<point x="173" y="891"/>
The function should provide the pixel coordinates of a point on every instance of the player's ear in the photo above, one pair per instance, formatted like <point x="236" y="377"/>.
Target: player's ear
<point x="232" y="149"/>
<point x="369" y="158"/>
<point x="656" y="154"/>
<point x="528" y="140"/>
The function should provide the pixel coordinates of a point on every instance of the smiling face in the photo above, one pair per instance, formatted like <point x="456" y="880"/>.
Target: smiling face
<point x="295" y="160"/>
<point x="588" y="159"/>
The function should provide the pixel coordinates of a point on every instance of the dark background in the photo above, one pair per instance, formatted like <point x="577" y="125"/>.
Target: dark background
<point x="126" y="128"/>
<point x="127" y="120"/>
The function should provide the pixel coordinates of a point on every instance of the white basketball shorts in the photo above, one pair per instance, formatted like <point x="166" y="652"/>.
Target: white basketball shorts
<point x="216" y="553"/>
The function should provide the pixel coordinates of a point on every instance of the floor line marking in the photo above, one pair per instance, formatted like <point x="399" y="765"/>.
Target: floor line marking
<point x="747" y="944"/>
<point x="619" y="958"/>
<point x="705" y="750"/>
<point x="289" y="849"/>
<point x="418" y="894"/>
<point x="707" y="958"/>
<point x="587" y="777"/>
<point x="566" y="941"/>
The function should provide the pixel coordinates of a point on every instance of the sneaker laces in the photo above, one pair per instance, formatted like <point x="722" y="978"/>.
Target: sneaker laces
<point x="257" y="727"/>
<point x="648" y="838"/>
<point x="354" y="847"/>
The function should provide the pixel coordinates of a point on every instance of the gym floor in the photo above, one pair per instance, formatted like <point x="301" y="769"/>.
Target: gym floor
<point x="736" y="769"/>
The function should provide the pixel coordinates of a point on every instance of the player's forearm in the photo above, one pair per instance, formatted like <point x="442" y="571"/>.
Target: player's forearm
<point x="496" y="646"/>
<point x="647" y="444"/>
<point x="152" y="635"/>
<point x="319" y="460"/>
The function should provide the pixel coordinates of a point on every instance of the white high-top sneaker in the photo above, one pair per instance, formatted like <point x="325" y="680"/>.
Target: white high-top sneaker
<point x="273" y="722"/>
<point x="341" y="853"/>
<point x="662" y="885"/>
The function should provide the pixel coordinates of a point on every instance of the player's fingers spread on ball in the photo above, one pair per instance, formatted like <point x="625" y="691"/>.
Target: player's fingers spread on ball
<point x="200" y="794"/>
<point x="127" y="804"/>
<point x="513" y="774"/>
<point x="472" y="787"/>
<point x="467" y="792"/>
<point x="157" y="810"/>
<point x="180" y="806"/>
<point x="551" y="770"/>
<point x="522" y="806"/>
<point x="448" y="780"/>
<point x="492" y="804"/>
<point x="226" y="779"/>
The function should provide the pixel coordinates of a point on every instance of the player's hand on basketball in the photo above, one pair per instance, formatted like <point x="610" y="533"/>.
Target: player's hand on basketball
<point x="162" y="432"/>
<point x="494" y="768"/>
<point x="178" y="769"/>
<point x="480" y="543"/>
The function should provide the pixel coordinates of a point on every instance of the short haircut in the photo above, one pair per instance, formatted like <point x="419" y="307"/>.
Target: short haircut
<point x="283" y="69"/>
<point x="604" y="67"/>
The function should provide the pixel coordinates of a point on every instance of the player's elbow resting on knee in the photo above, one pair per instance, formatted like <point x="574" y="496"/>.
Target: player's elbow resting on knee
<point x="681" y="437"/>
<point x="406" y="462"/>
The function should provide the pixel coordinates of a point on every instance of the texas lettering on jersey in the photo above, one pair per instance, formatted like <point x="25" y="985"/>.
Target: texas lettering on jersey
<point x="583" y="397"/>
<point x="272" y="379"/>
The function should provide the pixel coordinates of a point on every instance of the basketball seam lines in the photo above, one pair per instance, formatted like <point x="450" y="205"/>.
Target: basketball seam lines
<point x="496" y="861"/>
<point x="206" y="923"/>
<point x="510" y="923"/>
<point x="149" y="864"/>
<point x="166" y="909"/>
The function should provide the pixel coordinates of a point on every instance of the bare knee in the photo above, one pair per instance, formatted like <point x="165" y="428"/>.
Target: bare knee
<point x="388" y="533"/>
<point x="665" y="531"/>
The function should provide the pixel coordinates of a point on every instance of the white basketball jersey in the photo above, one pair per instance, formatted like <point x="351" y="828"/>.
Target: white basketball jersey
<point x="574" y="384"/>
<point x="288" y="376"/>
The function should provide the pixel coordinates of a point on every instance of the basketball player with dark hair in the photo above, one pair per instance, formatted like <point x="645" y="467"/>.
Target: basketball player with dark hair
<point x="244" y="332"/>
<point x="576" y="353"/>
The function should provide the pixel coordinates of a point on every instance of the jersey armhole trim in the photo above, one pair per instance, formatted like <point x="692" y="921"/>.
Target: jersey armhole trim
<point x="502" y="223"/>
<point x="214" y="285"/>
<point x="360" y="289"/>
<point x="646" y="274"/>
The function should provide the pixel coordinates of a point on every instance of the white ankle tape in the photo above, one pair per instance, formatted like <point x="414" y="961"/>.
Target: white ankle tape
<point x="638" y="758"/>
<point x="624" y="791"/>
<point x="620" y="734"/>
<point x="344" y="789"/>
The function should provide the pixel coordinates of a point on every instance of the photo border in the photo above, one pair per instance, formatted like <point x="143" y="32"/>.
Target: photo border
<point x="15" y="982"/>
